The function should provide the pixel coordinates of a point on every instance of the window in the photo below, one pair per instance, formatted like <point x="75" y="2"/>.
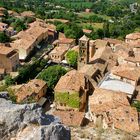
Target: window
<point x="132" y="119"/>
<point x="83" y="51"/>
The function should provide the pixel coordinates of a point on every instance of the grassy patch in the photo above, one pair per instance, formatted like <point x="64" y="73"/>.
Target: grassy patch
<point x="94" y="25"/>
<point x="87" y="15"/>
<point x="71" y="100"/>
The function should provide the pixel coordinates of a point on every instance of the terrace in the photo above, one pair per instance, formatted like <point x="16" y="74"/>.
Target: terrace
<point x="111" y="83"/>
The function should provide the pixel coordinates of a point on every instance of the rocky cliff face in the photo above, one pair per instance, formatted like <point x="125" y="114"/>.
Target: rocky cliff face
<point x="28" y="122"/>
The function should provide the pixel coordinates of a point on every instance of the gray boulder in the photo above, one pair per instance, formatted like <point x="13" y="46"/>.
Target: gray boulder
<point x="16" y="119"/>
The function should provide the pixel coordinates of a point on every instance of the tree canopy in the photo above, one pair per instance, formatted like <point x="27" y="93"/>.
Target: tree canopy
<point x="72" y="57"/>
<point x="52" y="74"/>
<point x="4" y="38"/>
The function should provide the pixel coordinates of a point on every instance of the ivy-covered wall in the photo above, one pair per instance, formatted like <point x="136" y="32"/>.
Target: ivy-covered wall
<point x="70" y="99"/>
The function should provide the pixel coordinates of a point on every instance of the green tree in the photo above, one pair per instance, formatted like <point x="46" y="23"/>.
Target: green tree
<point x="52" y="74"/>
<point x="60" y="27"/>
<point x="100" y="33"/>
<point x="106" y="29"/>
<point x="8" y="80"/>
<point x="72" y="57"/>
<point x="4" y="38"/>
<point x="19" y="25"/>
<point x="73" y="31"/>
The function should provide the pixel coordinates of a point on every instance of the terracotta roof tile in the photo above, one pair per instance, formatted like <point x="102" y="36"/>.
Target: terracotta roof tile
<point x="103" y="100"/>
<point x="72" y="81"/>
<point x="66" y="40"/>
<point x="32" y="87"/>
<point x="87" y="31"/>
<point x="5" y="49"/>
<point x="113" y="41"/>
<point x="133" y="36"/>
<point x="59" y="50"/>
<point x="125" y="71"/>
<point x="115" y="108"/>
<point x="71" y="118"/>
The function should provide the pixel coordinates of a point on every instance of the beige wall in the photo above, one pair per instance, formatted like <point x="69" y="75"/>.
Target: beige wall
<point x="24" y="52"/>
<point x="9" y="63"/>
<point x="56" y="57"/>
<point x="92" y="51"/>
<point x="41" y="93"/>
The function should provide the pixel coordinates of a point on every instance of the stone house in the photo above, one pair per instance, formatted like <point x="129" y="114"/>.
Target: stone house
<point x="32" y="91"/>
<point x="127" y="74"/>
<point x="58" y="54"/>
<point x="72" y="91"/>
<point x="64" y="42"/>
<point x="27" y="40"/>
<point x="9" y="58"/>
<point x="133" y="39"/>
<point x="112" y="110"/>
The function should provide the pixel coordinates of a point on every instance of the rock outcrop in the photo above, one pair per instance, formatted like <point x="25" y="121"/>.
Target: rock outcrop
<point x="28" y="122"/>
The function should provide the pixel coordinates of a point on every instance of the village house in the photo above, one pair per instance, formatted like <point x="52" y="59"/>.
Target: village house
<point x="26" y="41"/>
<point x="112" y="110"/>
<point x="58" y="54"/>
<point x="122" y="78"/>
<point x="64" y="42"/>
<point x="52" y="33"/>
<point x="32" y="91"/>
<point x="133" y="39"/>
<point x="9" y="59"/>
<point x="113" y="42"/>
<point x="72" y="91"/>
<point x="86" y="31"/>
<point x="127" y="74"/>
<point x="133" y="60"/>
